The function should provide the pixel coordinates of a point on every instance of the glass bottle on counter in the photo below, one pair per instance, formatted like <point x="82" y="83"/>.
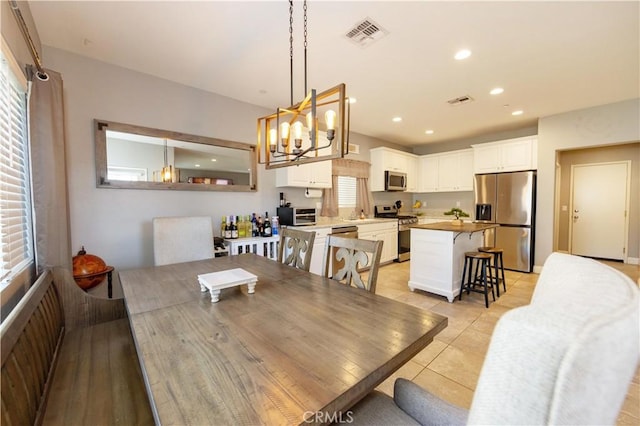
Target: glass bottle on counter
<point x="260" y="227"/>
<point x="249" y="226"/>
<point x="242" y="230"/>
<point x="234" y="227"/>
<point x="223" y="226"/>
<point x="275" y="225"/>
<point x="254" y="226"/>
<point x="267" y="225"/>
<point x="227" y="228"/>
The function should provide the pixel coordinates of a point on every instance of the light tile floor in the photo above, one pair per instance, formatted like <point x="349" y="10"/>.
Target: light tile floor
<point x="450" y="366"/>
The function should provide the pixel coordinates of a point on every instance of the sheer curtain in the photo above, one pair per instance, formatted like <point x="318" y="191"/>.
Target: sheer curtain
<point x="49" y="177"/>
<point x="354" y="168"/>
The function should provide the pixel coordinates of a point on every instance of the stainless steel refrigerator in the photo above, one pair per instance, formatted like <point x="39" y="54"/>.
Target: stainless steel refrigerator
<point x="509" y="199"/>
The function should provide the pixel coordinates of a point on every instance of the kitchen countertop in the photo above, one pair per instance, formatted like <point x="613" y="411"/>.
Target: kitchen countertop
<point x="448" y="226"/>
<point x="337" y="222"/>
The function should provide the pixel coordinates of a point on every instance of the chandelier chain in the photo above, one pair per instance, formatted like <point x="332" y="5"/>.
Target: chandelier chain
<point x="305" y="46"/>
<point x="291" y="49"/>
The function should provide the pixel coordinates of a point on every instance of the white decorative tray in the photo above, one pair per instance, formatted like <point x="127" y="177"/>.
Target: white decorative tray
<point x="216" y="281"/>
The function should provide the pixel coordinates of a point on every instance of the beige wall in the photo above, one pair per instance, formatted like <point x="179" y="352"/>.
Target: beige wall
<point x="116" y="224"/>
<point x="604" y="154"/>
<point x="12" y="35"/>
<point x="592" y="127"/>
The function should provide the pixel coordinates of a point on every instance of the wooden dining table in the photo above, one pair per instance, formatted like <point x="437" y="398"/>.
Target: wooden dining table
<point x="301" y="349"/>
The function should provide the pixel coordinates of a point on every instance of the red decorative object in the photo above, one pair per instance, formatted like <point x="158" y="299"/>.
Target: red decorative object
<point x="89" y="270"/>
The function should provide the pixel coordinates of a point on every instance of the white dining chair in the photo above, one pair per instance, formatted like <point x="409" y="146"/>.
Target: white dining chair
<point x="182" y="239"/>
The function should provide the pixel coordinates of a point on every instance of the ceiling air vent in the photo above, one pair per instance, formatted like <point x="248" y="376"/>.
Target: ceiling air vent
<point x="461" y="100"/>
<point x="366" y="32"/>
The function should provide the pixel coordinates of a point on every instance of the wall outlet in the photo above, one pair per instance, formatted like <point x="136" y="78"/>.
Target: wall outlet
<point x="457" y="203"/>
<point x="319" y="205"/>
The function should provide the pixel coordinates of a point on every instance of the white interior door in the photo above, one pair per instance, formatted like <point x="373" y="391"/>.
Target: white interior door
<point x="599" y="199"/>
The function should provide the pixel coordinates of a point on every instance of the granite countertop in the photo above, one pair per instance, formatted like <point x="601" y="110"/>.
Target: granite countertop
<point x="448" y="226"/>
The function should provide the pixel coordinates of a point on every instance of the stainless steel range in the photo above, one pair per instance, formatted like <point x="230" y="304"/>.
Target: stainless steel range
<point x="404" y="224"/>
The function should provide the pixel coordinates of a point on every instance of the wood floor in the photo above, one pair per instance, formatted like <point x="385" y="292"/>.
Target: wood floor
<point x="450" y="366"/>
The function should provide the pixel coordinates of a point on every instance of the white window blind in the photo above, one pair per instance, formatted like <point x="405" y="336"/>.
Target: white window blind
<point x="16" y="246"/>
<point x="346" y="191"/>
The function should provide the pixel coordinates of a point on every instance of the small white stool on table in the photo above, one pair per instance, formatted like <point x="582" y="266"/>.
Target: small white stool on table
<point x="216" y="281"/>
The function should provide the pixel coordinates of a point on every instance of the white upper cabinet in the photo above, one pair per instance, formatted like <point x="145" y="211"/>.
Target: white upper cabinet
<point x="429" y="169"/>
<point x="310" y="175"/>
<point x="398" y="161"/>
<point x="447" y="172"/>
<point x="506" y="156"/>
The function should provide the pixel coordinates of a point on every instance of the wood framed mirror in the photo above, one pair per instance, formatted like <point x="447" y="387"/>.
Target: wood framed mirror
<point x="136" y="157"/>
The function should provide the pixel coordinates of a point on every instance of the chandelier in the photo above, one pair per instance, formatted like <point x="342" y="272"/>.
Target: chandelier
<point x="283" y="139"/>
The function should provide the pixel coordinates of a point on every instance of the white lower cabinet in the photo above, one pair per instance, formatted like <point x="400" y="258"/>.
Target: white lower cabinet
<point x="317" y="255"/>
<point x="386" y="232"/>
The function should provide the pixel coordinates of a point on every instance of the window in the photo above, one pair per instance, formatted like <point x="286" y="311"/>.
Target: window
<point x="346" y="191"/>
<point x="16" y="243"/>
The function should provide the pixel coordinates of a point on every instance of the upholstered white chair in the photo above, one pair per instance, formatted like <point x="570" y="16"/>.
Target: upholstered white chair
<point x="566" y="358"/>
<point x="182" y="239"/>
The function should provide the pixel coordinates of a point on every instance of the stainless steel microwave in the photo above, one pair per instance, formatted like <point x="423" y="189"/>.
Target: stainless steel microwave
<point x="395" y="181"/>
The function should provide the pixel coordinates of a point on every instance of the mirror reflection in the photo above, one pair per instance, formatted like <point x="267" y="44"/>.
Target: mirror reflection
<point x="136" y="157"/>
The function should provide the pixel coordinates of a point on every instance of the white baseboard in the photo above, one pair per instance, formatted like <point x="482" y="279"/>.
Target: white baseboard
<point x="630" y="260"/>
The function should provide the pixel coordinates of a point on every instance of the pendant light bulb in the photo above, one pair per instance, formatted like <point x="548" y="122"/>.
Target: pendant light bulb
<point x="297" y="130"/>
<point x="284" y="134"/>
<point x="330" y="118"/>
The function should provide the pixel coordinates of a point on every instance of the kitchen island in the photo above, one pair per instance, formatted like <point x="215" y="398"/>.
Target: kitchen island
<point x="437" y="255"/>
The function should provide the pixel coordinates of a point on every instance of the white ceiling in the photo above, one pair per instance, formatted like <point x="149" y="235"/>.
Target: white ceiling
<point x="550" y="57"/>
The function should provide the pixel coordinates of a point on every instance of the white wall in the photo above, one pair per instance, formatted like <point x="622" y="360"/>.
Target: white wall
<point x="602" y="125"/>
<point x="114" y="223"/>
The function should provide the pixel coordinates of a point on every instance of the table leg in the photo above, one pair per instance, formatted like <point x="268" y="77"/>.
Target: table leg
<point x="215" y="295"/>
<point x="251" y="287"/>
<point x="109" y="285"/>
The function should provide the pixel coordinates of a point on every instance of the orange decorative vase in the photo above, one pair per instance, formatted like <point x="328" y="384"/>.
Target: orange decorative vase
<point x="89" y="270"/>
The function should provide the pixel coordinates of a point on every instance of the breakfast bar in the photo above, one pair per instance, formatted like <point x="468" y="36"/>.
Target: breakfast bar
<point x="437" y="255"/>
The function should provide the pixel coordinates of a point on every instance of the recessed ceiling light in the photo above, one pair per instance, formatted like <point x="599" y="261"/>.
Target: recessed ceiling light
<point x="213" y="159"/>
<point x="496" y="91"/>
<point x="429" y="132"/>
<point x="518" y="112"/>
<point x="197" y="165"/>
<point x="462" y="54"/>
<point x="397" y="119"/>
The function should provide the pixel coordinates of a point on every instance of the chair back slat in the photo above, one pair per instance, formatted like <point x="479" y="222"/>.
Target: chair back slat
<point x="296" y="247"/>
<point x="348" y="260"/>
